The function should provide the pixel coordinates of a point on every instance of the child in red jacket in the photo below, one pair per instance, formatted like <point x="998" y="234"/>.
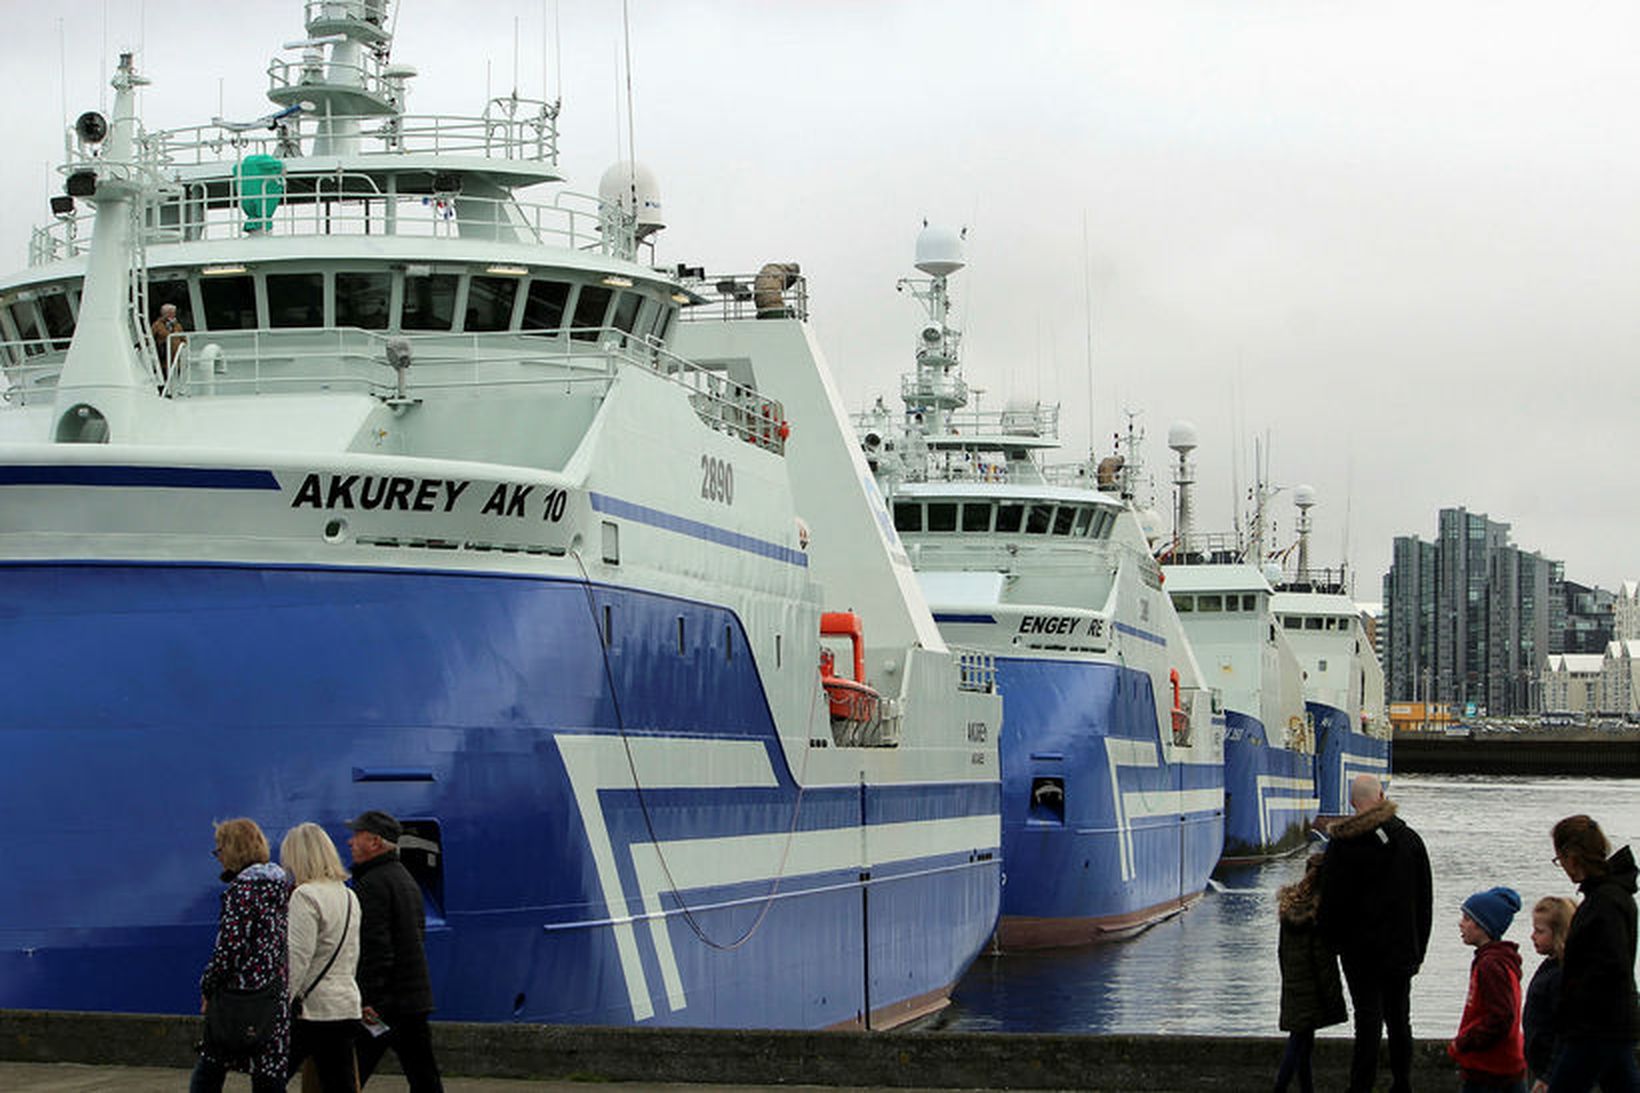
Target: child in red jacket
<point x="1489" y="1049"/>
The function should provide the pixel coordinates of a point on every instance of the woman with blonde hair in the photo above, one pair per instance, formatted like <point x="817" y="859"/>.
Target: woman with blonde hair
<point x="249" y="956"/>
<point x="324" y="954"/>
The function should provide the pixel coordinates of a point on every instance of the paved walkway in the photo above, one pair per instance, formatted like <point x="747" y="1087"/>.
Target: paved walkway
<point x="72" y="1078"/>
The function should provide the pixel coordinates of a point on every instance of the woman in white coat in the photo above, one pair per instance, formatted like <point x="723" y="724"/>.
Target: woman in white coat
<point x="324" y="954"/>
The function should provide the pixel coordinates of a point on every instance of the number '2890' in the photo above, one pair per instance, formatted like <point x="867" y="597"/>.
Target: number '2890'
<point x="717" y="480"/>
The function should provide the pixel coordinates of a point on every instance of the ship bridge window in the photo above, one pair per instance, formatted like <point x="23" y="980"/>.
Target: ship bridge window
<point x="490" y="303"/>
<point x="1064" y="519"/>
<point x="1183" y="604"/>
<point x="1102" y="522"/>
<point x="663" y="322"/>
<point x="429" y="302"/>
<point x="1312" y="623"/>
<point x="1210" y="603"/>
<point x="174" y="291"/>
<point x="28" y="326"/>
<point x="544" y="306"/>
<point x="296" y="299"/>
<point x="590" y="307"/>
<point x="58" y="317"/>
<point x="627" y="306"/>
<point x="1039" y="519"/>
<point x="1084" y="520"/>
<point x="1249" y="602"/>
<point x="1292" y="622"/>
<point x="229" y="302"/>
<point x="907" y="516"/>
<point x="364" y="299"/>
<point x="1009" y="518"/>
<point x="942" y="516"/>
<point x="976" y="516"/>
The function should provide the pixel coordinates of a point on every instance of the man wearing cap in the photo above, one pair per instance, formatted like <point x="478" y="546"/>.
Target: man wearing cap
<point x="1376" y="908"/>
<point x="392" y="975"/>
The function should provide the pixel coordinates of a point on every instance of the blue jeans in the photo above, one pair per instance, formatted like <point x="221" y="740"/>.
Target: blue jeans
<point x="1295" y="1062"/>
<point x="1580" y="1064"/>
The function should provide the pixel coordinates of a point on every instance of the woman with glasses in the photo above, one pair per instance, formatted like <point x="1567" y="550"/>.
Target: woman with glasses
<point x="1597" y="1018"/>
<point x="249" y="955"/>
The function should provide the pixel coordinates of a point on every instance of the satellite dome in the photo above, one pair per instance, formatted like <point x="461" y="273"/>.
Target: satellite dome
<point x="939" y="251"/>
<point x="618" y="186"/>
<point x="1272" y="573"/>
<point x="1181" y="436"/>
<point x="1150" y="522"/>
<point x="1304" y="496"/>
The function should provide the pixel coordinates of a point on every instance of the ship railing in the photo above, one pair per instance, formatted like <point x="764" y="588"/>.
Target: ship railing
<point x="920" y="389"/>
<point x="331" y="203"/>
<point x="522" y="130"/>
<point x="256" y="362"/>
<point x="976" y="670"/>
<point x="1311" y="579"/>
<point x="965" y="467"/>
<point x="1037" y="421"/>
<point x="735" y="296"/>
<point x="31" y="368"/>
<point x="1203" y="548"/>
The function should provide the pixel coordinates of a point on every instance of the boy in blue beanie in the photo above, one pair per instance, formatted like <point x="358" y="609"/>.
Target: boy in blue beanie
<point x="1489" y="1049"/>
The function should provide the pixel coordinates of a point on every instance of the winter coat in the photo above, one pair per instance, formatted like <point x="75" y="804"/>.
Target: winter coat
<point x="1597" y="998"/>
<point x="392" y="961"/>
<point x="318" y="912"/>
<point x="1489" y="1044"/>
<point x="1537" y="1018"/>
<point x="1312" y="994"/>
<point x="250" y="954"/>
<point x="1376" y="891"/>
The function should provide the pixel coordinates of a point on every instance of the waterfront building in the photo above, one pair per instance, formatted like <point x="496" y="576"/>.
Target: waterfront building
<point x="1620" y="678"/>
<point x="1626" y="612"/>
<point x="1590" y="619"/>
<point x="1472" y="617"/>
<point x="1571" y="683"/>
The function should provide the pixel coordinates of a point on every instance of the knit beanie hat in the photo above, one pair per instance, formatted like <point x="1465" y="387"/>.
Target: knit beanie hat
<point x="1493" y="910"/>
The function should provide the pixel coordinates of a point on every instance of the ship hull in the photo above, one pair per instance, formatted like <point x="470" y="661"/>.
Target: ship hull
<point x="1132" y="836"/>
<point x="1342" y="752"/>
<point x="616" y="835"/>
<point x="1269" y="794"/>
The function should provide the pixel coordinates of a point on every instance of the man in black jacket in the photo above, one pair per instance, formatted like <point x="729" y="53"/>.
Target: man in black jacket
<point x="392" y="975"/>
<point x="1376" y="906"/>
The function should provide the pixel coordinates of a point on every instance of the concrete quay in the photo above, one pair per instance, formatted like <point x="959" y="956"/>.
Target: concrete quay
<point x="61" y="1052"/>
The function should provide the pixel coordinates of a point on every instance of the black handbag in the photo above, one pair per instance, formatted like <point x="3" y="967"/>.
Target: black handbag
<point x="239" y="1022"/>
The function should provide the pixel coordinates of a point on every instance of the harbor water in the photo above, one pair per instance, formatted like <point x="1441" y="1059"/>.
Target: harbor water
<point x="1212" y="970"/>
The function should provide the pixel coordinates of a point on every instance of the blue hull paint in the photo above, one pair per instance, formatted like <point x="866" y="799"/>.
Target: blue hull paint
<point x="295" y="694"/>
<point x="1093" y="866"/>
<point x="1269" y="792"/>
<point x="1342" y="752"/>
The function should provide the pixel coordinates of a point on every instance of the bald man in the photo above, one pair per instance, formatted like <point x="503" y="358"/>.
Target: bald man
<point x="1375" y="911"/>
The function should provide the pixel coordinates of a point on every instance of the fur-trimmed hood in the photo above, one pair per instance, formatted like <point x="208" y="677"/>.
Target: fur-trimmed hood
<point x="1362" y="822"/>
<point x="1297" y="904"/>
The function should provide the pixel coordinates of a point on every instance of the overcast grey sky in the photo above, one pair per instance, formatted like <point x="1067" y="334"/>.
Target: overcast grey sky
<point x="1398" y="240"/>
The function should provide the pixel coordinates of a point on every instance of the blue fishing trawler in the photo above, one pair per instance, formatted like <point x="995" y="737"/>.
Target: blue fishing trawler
<point x="434" y="501"/>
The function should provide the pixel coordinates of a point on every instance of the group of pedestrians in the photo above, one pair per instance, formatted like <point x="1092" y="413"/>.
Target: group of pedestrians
<point x="1366" y="905"/>
<point x="343" y="970"/>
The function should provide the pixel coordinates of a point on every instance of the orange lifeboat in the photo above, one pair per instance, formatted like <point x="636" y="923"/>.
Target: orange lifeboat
<point x="848" y="699"/>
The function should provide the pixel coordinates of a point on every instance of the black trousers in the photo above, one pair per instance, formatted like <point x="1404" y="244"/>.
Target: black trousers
<point x="1381" y="998"/>
<point x="330" y="1045"/>
<point x="410" y="1039"/>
